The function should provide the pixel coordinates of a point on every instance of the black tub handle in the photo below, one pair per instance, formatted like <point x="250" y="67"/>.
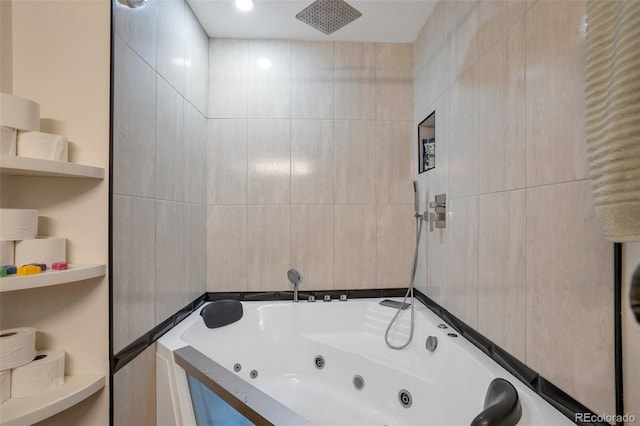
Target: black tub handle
<point x="501" y="405"/>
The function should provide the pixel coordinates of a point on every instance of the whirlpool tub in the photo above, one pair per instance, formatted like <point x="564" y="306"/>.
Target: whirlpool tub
<point x="327" y="364"/>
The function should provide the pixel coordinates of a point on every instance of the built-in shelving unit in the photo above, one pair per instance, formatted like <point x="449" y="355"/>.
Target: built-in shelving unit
<point x="32" y="409"/>
<point x="50" y="277"/>
<point x="25" y="166"/>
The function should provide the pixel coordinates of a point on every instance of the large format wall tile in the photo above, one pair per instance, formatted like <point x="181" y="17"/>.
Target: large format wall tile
<point x="501" y="124"/>
<point x="227" y="161"/>
<point x="196" y="62"/>
<point x="395" y="244"/>
<point x="463" y="136"/>
<point x="437" y="263"/>
<point x="269" y="247"/>
<point x="394" y="162"/>
<point x="569" y="299"/>
<point x="440" y="75"/>
<point x="139" y="29"/>
<point x="311" y="162"/>
<point x="354" y="81"/>
<point x="555" y="106"/>
<point x="320" y="151"/>
<point x="354" y="147"/>
<point x="195" y="156"/>
<point x="134" y="391"/>
<point x="160" y="88"/>
<point x="566" y="331"/>
<point x="312" y="80"/>
<point x="170" y="269"/>
<point x="228" y="78"/>
<point x="463" y="17"/>
<point x="461" y="289"/>
<point x="171" y="42"/>
<point x="269" y="88"/>
<point x="170" y="143"/>
<point x="134" y="124"/>
<point x="227" y="248"/>
<point x="394" y="81"/>
<point x="269" y="162"/>
<point x="495" y="18"/>
<point x="501" y="269"/>
<point x="312" y="245"/>
<point x="133" y="281"/>
<point x="355" y="246"/>
<point x="194" y="226"/>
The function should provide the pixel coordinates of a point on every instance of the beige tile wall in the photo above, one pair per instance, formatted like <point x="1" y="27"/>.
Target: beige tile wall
<point x="522" y="258"/>
<point x="309" y="165"/>
<point x="159" y="158"/>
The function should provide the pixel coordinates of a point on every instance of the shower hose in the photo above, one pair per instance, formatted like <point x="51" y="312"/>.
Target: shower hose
<point x="409" y="292"/>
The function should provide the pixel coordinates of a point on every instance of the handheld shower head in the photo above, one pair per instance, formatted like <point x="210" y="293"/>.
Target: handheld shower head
<point x="416" y="196"/>
<point x="294" y="276"/>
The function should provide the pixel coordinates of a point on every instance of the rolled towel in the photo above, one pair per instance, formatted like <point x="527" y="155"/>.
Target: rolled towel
<point x="42" y="145"/>
<point x="47" y="250"/>
<point x="45" y="372"/>
<point x="612" y="73"/>
<point x="19" y="113"/>
<point x="18" y="224"/>
<point x="17" y="347"/>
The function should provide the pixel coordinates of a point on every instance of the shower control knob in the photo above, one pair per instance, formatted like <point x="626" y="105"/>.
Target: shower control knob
<point x="311" y="298"/>
<point x="343" y="297"/>
<point x="327" y="298"/>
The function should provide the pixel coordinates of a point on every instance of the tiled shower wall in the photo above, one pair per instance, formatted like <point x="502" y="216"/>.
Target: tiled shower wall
<point x="160" y="55"/>
<point x="522" y="258"/>
<point x="309" y="165"/>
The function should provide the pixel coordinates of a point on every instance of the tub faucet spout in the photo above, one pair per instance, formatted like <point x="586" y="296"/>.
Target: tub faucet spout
<point x="294" y="277"/>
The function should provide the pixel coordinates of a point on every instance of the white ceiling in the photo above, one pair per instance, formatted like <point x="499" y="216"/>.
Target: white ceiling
<point x="393" y="21"/>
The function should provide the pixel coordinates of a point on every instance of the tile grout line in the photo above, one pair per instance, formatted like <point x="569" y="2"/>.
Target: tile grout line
<point x="333" y="124"/>
<point x="526" y="193"/>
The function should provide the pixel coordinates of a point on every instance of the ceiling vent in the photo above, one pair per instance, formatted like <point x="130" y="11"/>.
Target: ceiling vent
<point x="328" y="16"/>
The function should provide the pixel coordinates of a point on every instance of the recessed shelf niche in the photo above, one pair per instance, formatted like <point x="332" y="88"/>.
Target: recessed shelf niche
<point x="427" y="143"/>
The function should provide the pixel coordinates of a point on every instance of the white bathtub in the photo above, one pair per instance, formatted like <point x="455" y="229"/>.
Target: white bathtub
<point x="280" y="341"/>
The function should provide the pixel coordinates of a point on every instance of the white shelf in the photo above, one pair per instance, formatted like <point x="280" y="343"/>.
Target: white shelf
<point x="51" y="277"/>
<point x="33" y="409"/>
<point x="25" y="166"/>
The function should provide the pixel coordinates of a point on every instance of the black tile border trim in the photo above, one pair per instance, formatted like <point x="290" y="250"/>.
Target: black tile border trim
<point x="617" y="305"/>
<point x="132" y="350"/>
<point x="112" y="34"/>
<point x="138" y="346"/>
<point x="563" y="402"/>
